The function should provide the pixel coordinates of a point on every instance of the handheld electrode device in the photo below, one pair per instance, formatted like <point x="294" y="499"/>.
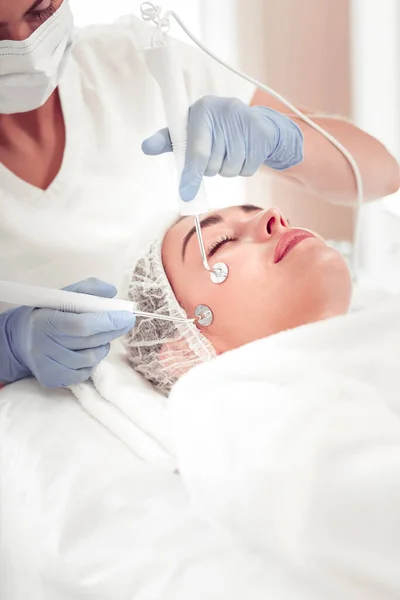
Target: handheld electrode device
<point x="168" y="81"/>
<point x="41" y="297"/>
<point x="163" y="59"/>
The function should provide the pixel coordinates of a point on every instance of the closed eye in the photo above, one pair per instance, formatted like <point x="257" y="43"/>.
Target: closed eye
<point x="42" y="14"/>
<point x="219" y="243"/>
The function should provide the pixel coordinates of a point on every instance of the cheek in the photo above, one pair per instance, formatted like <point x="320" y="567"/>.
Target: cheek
<point x="250" y="289"/>
<point x="192" y="289"/>
<point x="248" y="271"/>
<point x="243" y="304"/>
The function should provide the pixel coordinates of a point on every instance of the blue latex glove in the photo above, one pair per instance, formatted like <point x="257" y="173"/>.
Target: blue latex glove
<point x="229" y="138"/>
<point x="59" y="349"/>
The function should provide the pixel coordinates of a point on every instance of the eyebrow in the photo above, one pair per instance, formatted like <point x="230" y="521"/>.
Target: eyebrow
<point x="213" y="220"/>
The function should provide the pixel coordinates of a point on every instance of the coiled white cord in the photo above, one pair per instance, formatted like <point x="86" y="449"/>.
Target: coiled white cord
<point x="150" y="12"/>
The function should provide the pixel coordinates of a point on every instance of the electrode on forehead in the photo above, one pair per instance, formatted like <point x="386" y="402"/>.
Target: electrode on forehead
<point x="204" y="314"/>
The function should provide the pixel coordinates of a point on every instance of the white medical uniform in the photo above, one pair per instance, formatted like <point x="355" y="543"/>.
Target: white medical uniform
<point x="83" y="223"/>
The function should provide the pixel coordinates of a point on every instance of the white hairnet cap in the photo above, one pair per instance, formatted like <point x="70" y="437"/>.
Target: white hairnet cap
<point x="162" y="351"/>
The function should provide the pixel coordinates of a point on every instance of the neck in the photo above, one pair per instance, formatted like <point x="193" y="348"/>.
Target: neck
<point x="34" y="125"/>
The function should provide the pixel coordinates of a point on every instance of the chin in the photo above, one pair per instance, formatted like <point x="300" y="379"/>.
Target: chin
<point x="332" y="279"/>
<point x="334" y="262"/>
<point x="325" y="260"/>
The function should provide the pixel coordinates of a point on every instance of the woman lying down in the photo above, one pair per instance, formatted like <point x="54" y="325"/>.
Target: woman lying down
<point x="279" y="278"/>
<point x="290" y="439"/>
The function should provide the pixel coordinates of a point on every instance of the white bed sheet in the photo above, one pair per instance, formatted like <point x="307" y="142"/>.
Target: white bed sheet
<point x="82" y="517"/>
<point x="91" y="509"/>
<point x="292" y="444"/>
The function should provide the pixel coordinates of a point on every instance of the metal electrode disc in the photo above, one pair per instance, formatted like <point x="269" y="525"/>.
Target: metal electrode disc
<point x="205" y="315"/>
<point x="219" y="272"/>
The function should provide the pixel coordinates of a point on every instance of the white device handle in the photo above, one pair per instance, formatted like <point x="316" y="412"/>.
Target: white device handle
<point x="42" y="297"/>
<point x="72" y="302"/>
<point x="165" y="63"/>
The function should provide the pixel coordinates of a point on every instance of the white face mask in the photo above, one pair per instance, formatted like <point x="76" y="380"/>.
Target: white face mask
<point x="30" y="70"/>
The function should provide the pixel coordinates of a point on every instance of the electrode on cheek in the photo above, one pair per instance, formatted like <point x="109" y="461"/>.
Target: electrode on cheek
<point x="204" y="315"/>
<point x="219" y="272"/>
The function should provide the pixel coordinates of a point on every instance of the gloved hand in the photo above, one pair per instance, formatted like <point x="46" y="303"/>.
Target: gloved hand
<point x="227" y="137"/>
<point x="59" y="349"/>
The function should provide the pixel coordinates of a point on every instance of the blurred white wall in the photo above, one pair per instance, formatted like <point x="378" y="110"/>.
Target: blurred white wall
<point x="376" y="106"/>
<point x="375" y="44"/>
<point x="300" y="49"/>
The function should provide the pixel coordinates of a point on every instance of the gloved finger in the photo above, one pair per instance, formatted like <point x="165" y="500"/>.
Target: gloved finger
<point x="158" y="143"/>
<point x="218" y="156"/>
<point x="106" y="325"/>
<point x="249" y="168"/>
<point x="80" y="359"/>
<point x="74" y="377"/>
<point x="198" y="154"/>
<point x="93" y="287"/>
<point x="233" y="167"/>
<point x="92" y="357"/>
<point x="234" y="160"/>
<point x="94" y="341"/>
<point x="59" y="376"/>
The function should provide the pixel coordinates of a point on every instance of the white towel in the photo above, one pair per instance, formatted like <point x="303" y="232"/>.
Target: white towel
<point x="129" y="407"/>
<point x="291" y="445"/>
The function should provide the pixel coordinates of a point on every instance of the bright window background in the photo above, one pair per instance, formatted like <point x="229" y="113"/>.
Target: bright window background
<point x="376" y="101"/>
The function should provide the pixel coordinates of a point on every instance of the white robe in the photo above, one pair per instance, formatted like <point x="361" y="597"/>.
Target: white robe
<point x="291" y="445"/>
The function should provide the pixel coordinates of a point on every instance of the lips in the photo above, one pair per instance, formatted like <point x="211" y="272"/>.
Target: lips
<point x="289" y="240"/>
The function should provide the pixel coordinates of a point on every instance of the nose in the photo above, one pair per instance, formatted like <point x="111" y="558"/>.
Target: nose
<point x="17" y="33"/>
<point x="271" y="224"/>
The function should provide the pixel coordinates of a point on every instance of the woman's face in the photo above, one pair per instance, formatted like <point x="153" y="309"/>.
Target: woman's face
<point x="20" y="18"/>
<point x="279" y="277"/>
